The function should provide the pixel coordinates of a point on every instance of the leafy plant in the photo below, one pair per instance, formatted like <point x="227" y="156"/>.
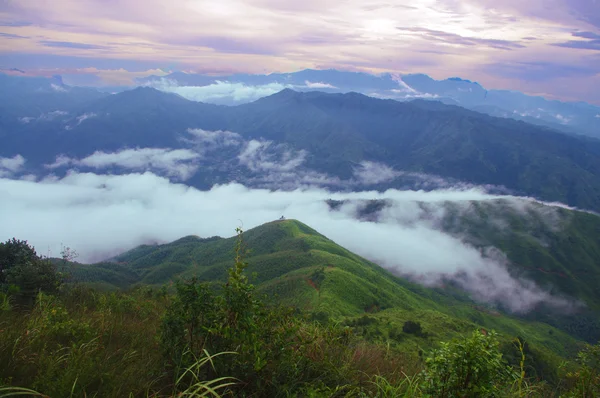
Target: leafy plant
<point x="468" y="367"/>
<point x="585" y="382"/>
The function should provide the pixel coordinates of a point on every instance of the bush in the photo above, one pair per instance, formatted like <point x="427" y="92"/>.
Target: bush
<point x="585" y="382"/>
<point x="412" y="327"/>
<point x="468" y="367"/>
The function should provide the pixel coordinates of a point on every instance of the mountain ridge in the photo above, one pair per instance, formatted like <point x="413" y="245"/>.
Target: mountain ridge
<point x="337" y="131"/>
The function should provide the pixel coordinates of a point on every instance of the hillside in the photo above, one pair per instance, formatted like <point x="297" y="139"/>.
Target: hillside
<point x="295" y="265"/>
<point x="341" y="130"/>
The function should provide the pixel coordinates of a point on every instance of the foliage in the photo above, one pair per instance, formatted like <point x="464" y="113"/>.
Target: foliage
<point x="585" y="381"/>
<point x="467" y="367"/>
<point x="22" y="270"/>
<point x="202" y="388"/>
<point x="225" y="339"/>
<point x="412" y="327"/>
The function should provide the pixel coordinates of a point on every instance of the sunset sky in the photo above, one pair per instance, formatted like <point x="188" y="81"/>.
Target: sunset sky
<point x="546" y="47"/>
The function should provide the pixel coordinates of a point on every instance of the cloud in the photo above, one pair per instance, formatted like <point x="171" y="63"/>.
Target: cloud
<point x="44" y="116"/>
<point x="440" y="37"/>
<point x="368" y="173"/>
<point x="68" y="44"/>
<point x="221" y="92"/>
<point x="53" y="115"/>
<point x="11" y="36"/>
<point x="456" y="39"/>
<point x="108" y="214"/>
<point x="404" y="87"/>
<point x="318" y="85"/>
<point x="10" y="166"/>
<point x="374" y="173"/>
<point x="211" y="140"/>
<point x="260" y="156"/>
<point x="562" y="119"/>
<point x="418" y="243"/>
<point x="61" y="161"/>
<point x="178" y="163"/>
<point x="541" y="71"/>
<point x="592" y="41"/>
<point x="58" y="88"/>
<point x="80" y="119"/>
<point x="587" y="35"/>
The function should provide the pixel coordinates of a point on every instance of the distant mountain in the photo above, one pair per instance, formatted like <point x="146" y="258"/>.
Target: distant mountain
<point x="341" y="130"/>
<point x="325" y="139"/>
<point x="31" y="97"/>
<point x="572" y="117"/>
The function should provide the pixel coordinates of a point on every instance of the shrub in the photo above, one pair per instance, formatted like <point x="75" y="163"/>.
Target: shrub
<point x="468" y="367"/>
<point x="412" y="327"/>
<point x="585" y="382"/>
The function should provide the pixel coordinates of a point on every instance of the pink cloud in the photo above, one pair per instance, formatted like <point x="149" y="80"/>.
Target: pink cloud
<point x="439" y="37"/>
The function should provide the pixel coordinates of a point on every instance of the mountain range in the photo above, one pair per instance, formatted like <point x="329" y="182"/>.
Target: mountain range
<point x="573" y="117"/>
<point x="290" y="139"/>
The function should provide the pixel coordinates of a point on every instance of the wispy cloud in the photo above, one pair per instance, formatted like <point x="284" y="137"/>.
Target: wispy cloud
<point x="11" y="36"/>
<point x="318" y="85"/>
<point x="221" y="92"/>
<point x="206" y="140"/>
<point x="374" y="173"/>
<point x="178" y="163"/>
<point x="80" y="119"/>
<point x="456" y="39"/>
<point x="261" y="156"/>
<point x="591" y="41"/>
<point x="68" y="44"/>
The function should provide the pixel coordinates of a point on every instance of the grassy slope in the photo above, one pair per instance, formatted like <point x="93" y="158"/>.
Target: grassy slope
<point x="300" y="267"/>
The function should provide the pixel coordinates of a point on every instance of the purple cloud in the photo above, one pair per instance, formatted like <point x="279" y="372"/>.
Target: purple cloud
<point x="541" y="71"/>
<point x="14" y="24"/>
<point x="68" y="44"/>
<point x="12" y="36"/>
<point x="233" y="45"/>
<point x="592" y="42"/>
<point x="587" y="35"/>
<point x="484" y="40"/>
<point x="453" y="38"/>
<point x="585" y="45"/>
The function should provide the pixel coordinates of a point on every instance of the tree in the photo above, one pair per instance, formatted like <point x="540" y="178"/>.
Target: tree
<point x="23" y="270"/>
<point x="412" y="327"/>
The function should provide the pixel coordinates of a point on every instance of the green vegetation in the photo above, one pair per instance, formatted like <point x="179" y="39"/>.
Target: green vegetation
<point x="340" y="326"/>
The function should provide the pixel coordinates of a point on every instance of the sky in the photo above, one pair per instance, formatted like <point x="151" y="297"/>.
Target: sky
<point x="546" y="47"/>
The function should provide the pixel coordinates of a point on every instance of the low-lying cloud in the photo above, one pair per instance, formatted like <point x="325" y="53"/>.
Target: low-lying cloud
<point x="317" y="85"/>
<point x="260" y="155"/>
<point x="102" y="215"/>
<point x="178" y="163"/>
<point x="220" y="92"/>
<point x="235" y="93"/>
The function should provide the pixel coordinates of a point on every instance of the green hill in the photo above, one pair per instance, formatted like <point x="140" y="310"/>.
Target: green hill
<point x="295" y="265"/>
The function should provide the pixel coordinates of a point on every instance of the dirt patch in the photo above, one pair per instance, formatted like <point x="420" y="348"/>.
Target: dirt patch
<point x="313" y="284"/>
